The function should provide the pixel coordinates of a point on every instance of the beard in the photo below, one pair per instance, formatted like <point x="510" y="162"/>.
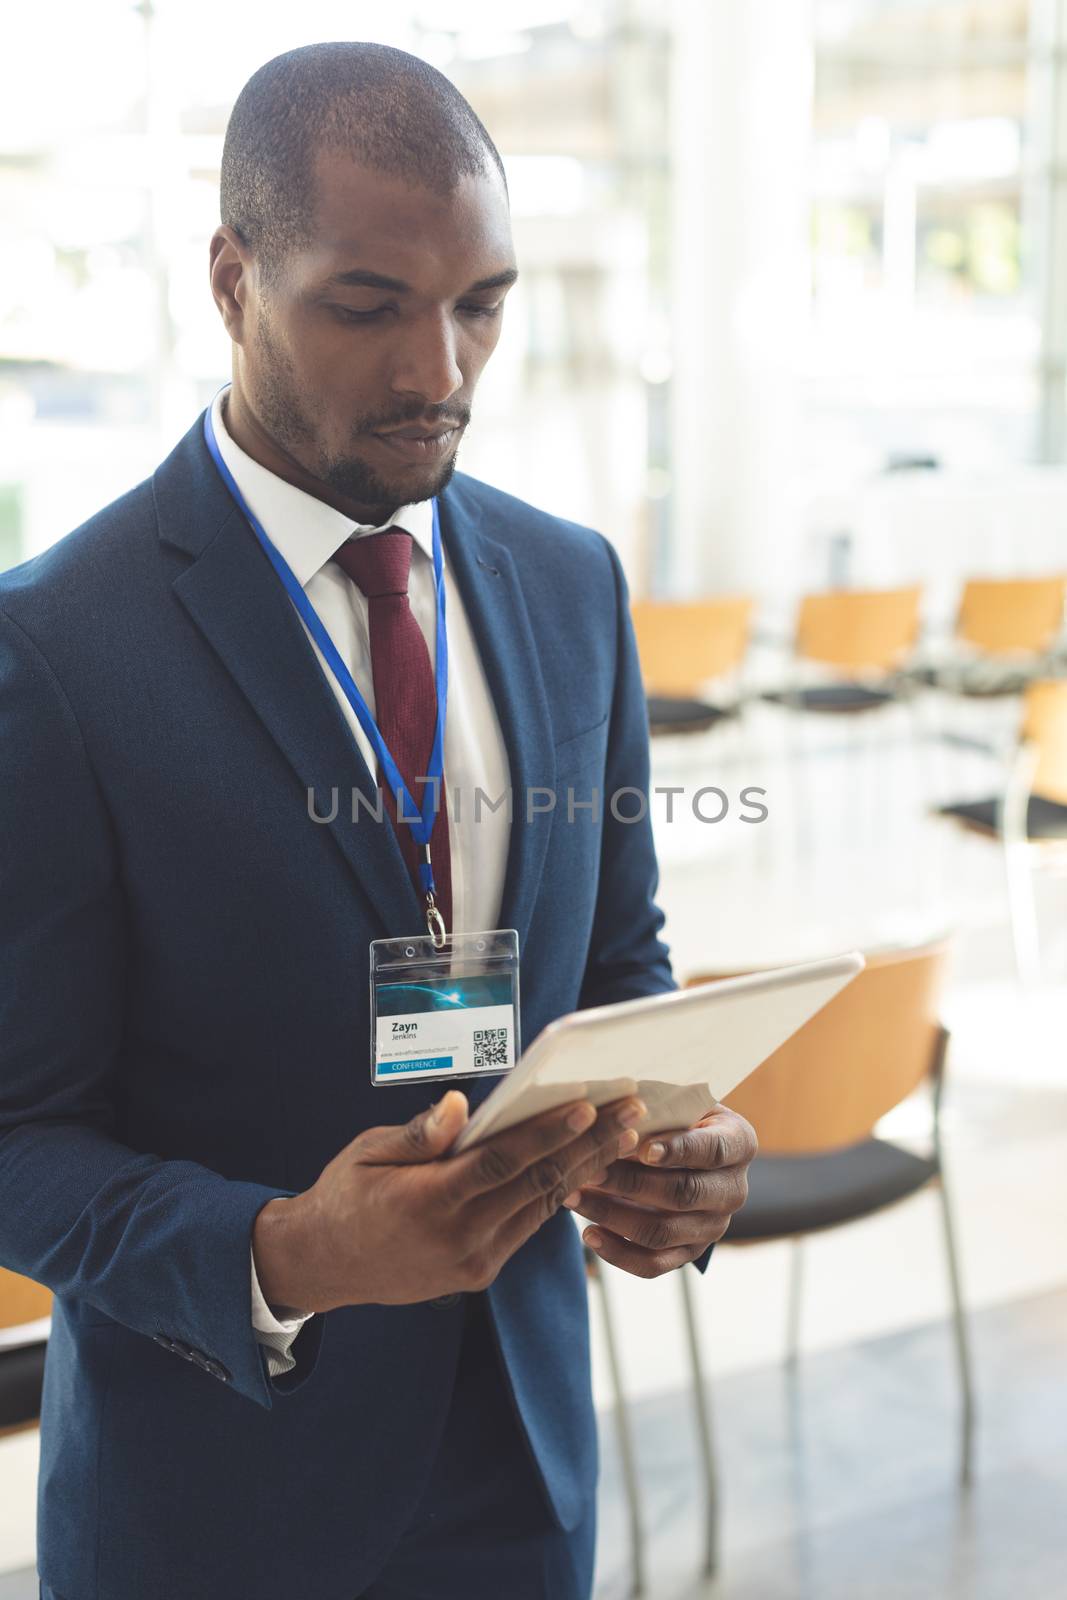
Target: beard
<point x="294" y="424"/>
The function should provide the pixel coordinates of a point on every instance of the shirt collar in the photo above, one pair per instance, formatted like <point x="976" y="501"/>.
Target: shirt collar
<point x="306" y="531"/>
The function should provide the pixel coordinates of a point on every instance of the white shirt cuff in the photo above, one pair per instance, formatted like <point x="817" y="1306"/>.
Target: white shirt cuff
<point x="275" y="1328"/>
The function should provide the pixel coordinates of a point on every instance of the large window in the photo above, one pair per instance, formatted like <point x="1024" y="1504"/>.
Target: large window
<point x="926" y="317"/>
<point x="109" y="341"/>
<point x="930" y="232"/>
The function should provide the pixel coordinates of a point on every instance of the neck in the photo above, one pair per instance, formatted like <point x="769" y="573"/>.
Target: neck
<point x="246" y="431"/>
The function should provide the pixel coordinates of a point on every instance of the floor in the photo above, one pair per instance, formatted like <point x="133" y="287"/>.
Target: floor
<point x="858" y="1501"/>
<point x="825" y="1500"/>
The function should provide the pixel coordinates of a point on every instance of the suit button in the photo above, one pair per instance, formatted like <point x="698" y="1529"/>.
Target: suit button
<point x="217" y="1370"/>
<point x="167" y="1343"/>
<point x="444" y="1301"/>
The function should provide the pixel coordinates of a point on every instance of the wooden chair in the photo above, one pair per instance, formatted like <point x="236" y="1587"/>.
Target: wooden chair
<point x="1004" y="615"/>
<point x="865" y="637"/>
<point x="1029" y="818"/>
<point x="1044" y="734"/>
<point x="814" y="1104"/>
<point x="684" y="646"/>
<point x="1006" y="630"/>
<point x="24" y="1305"/>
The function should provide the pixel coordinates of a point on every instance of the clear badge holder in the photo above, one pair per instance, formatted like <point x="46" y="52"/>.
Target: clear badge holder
<point x="448" y="1012"/>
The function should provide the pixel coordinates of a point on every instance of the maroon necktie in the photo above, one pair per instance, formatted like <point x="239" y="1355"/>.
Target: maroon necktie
<point x="405" y="698"/>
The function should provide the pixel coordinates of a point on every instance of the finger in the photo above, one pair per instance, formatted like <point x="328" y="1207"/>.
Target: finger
<point x="656" y="1230"/>
<point x="545" y="1152"/>
<point x="423" y="1138"/>
<point x="724" y="1140"/>
<point x="513" y="1230"/>
<point x="677" y="1188"/>
<point x="548" y="1182"/>
<point x="575" y="1167"/>
<point x="634" y="1258"/>
<point x="491" y="1243"/>
<point x="509" y="1229"/>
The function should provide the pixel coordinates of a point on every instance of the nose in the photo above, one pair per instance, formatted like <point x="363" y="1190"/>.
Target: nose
<point x="425" y="363"/>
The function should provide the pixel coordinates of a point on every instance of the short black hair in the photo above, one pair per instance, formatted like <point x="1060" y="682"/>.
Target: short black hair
<point x="386" y="108"/>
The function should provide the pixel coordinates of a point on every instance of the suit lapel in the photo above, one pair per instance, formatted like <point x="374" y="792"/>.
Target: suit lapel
<point x="492" y="595"/>
<point x="233" y="595"/>
<point x="235" y="600"/>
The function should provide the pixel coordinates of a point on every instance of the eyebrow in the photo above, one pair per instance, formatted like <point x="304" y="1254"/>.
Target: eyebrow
<point x="359" y="278"/>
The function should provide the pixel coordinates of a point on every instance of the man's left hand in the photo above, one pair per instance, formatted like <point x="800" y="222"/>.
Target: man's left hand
<point x="664" y="1205"/>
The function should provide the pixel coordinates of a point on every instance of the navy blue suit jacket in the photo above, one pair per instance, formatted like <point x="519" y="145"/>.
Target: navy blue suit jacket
<point x="183" y="1026"/>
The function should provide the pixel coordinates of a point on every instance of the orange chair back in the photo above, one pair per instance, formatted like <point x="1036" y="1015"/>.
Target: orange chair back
<point x="684" y="644"/>
<point x="22" y="1300"/>
<point x="1044" y="725"/>
<point x="857" y="1058"/>
<point x="859" y="630"/>
<point x="1004" y="615"/>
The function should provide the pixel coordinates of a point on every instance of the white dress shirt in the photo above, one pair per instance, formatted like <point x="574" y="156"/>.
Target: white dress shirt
<point x="307" y="532"/>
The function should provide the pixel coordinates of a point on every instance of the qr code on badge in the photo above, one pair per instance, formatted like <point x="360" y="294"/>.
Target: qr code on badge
<point x="490" y="1047"/>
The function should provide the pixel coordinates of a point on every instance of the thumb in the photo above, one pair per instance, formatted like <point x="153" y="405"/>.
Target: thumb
<point x="424" y="1138"/>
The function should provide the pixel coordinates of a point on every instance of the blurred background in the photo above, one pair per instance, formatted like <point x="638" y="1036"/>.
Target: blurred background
<point x="791" y="329"/>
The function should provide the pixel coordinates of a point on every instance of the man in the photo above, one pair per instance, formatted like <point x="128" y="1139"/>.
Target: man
<point x="298" y="1349"/>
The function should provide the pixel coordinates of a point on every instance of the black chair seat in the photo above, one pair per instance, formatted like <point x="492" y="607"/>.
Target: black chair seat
<point x="667" y="714"/>
<point x="21" y="1377"/>
<point x="832" y="697"/>
<point x="796" y="1194"/>
<point x="1045" y="819"/>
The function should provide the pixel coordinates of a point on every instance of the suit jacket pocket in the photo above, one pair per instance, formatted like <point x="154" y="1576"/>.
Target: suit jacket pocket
<point x="582" y="749"/>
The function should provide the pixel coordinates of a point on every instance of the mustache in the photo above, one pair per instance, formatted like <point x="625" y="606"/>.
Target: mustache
<point x="420" y="415"/>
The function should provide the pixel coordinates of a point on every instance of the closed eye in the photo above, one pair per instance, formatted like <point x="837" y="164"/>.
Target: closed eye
<point x="349" y="314"/>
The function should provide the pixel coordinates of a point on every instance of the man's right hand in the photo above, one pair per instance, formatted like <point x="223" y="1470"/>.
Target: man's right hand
<point x="388" y="1222"/>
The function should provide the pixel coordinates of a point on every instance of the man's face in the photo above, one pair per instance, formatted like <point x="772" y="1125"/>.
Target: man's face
<point x="360" y="361"/>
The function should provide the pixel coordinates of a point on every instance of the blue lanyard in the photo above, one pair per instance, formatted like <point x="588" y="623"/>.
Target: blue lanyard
<point x="420" y="819"/>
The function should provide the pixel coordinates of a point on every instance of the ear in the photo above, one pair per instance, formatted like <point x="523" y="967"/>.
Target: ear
<point x="231" y="275"/>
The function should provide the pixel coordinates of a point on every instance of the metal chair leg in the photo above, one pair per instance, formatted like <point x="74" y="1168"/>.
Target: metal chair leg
<point x="625" y="1432"/>
<point x="796" y="1289"/>
<point x="705" y="1428"/>
<point x="1012" y="815"/>
<point x="963" y="1355"/>
<point x="1023" y="914"/>
<point x="797" y="775"/>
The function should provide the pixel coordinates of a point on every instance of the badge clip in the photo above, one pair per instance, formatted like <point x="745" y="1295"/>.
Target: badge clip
<point x="435" y="922"/>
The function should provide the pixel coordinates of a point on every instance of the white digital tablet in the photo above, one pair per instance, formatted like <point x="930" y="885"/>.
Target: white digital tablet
<point x="681" y="1052"/>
